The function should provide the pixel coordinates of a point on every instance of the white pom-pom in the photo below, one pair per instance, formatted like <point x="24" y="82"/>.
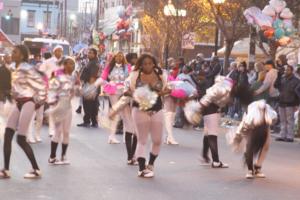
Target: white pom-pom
<point x="145" y="97"/>
<point x="192" y="111"/>
<point x="89" y="91"/>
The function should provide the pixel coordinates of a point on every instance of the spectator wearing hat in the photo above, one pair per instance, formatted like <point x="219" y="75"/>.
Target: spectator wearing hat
<point x="50" y="65"/>
<point x="288" y="101"/>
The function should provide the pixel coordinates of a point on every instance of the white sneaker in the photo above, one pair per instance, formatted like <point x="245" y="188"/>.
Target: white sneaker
<point x="38" y="139"/>
<point x="259" y="174"/>
<point x="33" y="174"/>
<point x="249" y="175"/>
<point x="113" y="141"/>
<point x="171" y="141"/>
<point x="53" y="161"/>
<point x="146" y="173"/>
<point x="219" y="165"/>
<point x="4" y="174"/>
<point x="63" y="161"/>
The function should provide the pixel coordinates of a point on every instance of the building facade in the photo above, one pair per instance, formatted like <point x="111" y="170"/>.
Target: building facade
<point x="39" y="17"/>
<point x="10" y="19"/>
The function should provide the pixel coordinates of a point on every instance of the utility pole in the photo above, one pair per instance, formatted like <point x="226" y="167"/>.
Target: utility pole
<point x="97" y="15"/>
<point x="65" y="19"/>
<point x="252" y="45"/>
<point x="47" y="16"/>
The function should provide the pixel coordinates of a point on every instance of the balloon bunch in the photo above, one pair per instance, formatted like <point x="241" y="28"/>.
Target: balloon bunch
<point x="124" y="27"/>
<point x="98" y="40"/>
<point x="274" y="21"/>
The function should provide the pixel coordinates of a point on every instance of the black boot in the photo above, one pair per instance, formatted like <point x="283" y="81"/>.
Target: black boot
<point x="8" y="136"/>
<point x="128" y="143"/>
<point x="205" y="149"/>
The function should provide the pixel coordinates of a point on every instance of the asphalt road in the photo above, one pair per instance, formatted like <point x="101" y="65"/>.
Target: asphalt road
<point x="99" y="171"/>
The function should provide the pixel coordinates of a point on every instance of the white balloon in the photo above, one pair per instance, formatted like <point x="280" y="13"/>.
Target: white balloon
<point x="286" y="14"/>
<point x="278" y="5"/>
<point x="269" y="10"/>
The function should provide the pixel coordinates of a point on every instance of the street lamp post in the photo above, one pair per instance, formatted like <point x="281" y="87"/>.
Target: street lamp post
<point x="218" y="4"/>
<point x="72" y="20"/>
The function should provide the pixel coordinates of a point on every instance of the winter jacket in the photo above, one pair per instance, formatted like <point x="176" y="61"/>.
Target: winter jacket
<point x="287" y="87"/>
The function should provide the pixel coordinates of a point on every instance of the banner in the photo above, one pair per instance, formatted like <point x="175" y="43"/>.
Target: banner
<point x="188" y="41"/>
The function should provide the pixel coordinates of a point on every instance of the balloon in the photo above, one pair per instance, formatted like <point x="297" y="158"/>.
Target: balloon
<point x="269" y="33"/>
<point x="255" y="16"/>
<point x="284" y="41"/>
<point x="286" y="14"/>
<point x="129" y="10"/>
<point x="289" y="31"/>
<point x="126" y="24"/>
<point x="288" y="23"/>
<point x="119" y="25"/>
<point x="269" y="10"/>
<point x="278" y="24"/>
<point x="121" y="12"/>
<point x="279" y="33"/>
<point x="278" y="5"/>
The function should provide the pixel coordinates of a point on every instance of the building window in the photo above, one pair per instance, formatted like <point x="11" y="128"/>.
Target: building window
<point x="31" y="18"/>
<point x="10" y="26"/>
<point x="113" y="4"/>
<point x="47" y="20"/>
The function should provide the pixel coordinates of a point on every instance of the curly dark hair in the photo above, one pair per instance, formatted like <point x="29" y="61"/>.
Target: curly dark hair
<point x="140" y="62"/>
<point x="24" y="51"/>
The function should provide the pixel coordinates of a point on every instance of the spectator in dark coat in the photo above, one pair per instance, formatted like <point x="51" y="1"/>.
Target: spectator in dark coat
<point x="89" y="76"/>
<point x="288" y="87"/>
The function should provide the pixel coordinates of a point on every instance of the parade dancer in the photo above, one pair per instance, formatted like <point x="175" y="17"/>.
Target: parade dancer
<point x="147" y="85"/>
<point x="124" y="105"/>
<point x="61" y="90"/>
<point x="113" y="78"/>
<point x="216" y="97"/>
<point x="48" y="67"/>
<point x="253" y="135"/>
<point x="170" y="106"/>
<point x="29" y="92"/>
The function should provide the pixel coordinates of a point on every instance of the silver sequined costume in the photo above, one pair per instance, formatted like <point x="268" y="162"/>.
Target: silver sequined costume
<point x="27" y="82"/>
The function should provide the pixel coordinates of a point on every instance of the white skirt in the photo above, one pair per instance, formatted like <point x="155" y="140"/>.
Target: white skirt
<point x="212" y="124"/>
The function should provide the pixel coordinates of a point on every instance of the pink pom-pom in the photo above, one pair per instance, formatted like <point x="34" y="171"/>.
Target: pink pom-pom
<point x="179" y="93"/>
<point x="110" y="89"/>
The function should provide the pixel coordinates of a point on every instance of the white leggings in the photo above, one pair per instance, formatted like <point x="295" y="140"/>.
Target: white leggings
<point x="125" y="115"/>
<point x="146" y="124"/>
<point x="62" y="129"/>
<point x="37" y="123"/>
<point x="169" y="115"/>
<point x="20" y="120"/>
